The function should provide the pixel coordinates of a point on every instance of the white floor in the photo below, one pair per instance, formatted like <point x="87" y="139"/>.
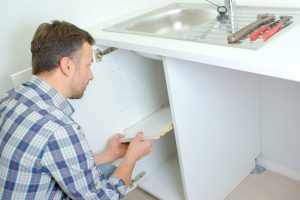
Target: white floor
<point x="266" y="186"/>
<point x="139" y="194"/>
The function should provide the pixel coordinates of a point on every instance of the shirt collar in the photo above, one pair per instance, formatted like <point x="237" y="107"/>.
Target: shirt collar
<point x="49" y="94"/>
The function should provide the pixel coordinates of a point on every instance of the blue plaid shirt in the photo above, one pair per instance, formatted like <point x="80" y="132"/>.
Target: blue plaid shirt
<point x="44" y="153"/>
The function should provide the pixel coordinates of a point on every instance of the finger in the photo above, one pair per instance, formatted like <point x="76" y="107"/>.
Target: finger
<point x="150" y="142"/>
<point x="119" y="135"/>
<point x="139" y="136"/>
<point x="125" y="145"/>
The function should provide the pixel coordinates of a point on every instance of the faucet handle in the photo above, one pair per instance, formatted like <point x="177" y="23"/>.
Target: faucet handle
<point x="229" y="6"/>
<point x="222" y="10"/>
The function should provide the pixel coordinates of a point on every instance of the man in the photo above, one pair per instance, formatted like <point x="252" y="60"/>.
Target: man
<point x="43" y="152"/>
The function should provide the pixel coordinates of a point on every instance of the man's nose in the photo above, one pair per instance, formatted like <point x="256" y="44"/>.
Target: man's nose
<point x="91" y="75"/>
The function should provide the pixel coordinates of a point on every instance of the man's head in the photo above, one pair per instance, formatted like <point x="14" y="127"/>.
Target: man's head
<point x="62" y="47"/>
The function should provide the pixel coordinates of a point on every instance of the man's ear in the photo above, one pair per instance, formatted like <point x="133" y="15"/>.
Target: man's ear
<point x="65" y="66"/>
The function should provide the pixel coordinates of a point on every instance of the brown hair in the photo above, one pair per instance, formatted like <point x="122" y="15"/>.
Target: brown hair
<point x="53" y="41"/>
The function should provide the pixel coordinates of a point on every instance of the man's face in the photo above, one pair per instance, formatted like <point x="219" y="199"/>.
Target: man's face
<point x="83" y="73"/>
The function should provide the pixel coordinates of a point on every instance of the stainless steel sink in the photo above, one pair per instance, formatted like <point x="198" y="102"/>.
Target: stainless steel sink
<point x="173" y="18"/>
<point x="199" y="23"/>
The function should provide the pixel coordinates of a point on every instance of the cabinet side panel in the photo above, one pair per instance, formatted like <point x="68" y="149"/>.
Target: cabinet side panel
<point x="216" y="118"/>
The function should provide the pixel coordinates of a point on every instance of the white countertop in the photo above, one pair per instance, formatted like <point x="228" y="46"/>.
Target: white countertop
<point x="278" y="58"/>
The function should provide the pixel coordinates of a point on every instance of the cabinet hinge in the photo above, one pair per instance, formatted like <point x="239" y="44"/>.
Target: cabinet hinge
<point x="136" y="179"/>
<point x="100" y="53"/>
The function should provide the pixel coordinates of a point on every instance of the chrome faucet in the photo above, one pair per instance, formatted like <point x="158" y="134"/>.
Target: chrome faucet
<point x="229" y="6"/>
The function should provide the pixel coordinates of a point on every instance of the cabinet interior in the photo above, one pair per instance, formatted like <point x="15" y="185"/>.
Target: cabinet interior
<point x="127" y="89"/>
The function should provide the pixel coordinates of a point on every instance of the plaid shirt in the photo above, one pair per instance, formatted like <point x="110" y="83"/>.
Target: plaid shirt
<point x="43" y="152"/>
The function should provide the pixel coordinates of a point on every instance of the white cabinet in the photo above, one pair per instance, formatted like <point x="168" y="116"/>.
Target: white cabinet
<point x="216" y="121"/>
<point x="215" y="114"/>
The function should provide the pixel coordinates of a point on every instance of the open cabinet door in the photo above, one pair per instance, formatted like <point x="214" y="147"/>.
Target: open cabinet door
<point x="21" y="76"/>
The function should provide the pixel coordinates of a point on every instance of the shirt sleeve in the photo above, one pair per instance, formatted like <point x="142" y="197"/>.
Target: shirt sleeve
<point x="70" y="162"/>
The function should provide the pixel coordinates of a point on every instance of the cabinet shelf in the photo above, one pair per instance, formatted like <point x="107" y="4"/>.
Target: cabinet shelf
<point x="154" y="126"/>
<point x="164" y="182"/>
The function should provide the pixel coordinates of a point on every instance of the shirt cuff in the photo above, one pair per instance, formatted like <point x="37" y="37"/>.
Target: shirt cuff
<point x="119" y="183"/>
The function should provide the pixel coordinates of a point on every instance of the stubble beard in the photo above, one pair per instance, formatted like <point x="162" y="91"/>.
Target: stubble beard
<point x="76" y="93"/>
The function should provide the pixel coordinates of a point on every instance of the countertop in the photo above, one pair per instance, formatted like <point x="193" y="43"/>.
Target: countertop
<point x="278" y="58"/>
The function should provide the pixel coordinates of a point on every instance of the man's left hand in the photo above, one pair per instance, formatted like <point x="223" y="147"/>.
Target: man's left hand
<point x="115" y="148"/>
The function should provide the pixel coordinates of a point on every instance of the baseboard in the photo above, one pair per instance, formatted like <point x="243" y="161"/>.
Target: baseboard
<point x="279" y="169"/>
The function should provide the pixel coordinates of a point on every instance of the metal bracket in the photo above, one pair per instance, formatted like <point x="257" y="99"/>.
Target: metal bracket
<point x="136" y="179"/>
<point x="258" y="168"/>
<point x="99" y="53"/>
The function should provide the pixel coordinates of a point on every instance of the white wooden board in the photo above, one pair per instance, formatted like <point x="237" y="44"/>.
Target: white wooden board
<point x="153" y="126"/>
<point x="21" y="77"/>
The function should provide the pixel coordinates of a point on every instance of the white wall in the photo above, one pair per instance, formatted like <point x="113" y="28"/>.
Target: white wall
<point x="19" y="20"/>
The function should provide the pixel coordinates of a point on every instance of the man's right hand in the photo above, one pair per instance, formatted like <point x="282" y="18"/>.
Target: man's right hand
<point x="138" y="147"/>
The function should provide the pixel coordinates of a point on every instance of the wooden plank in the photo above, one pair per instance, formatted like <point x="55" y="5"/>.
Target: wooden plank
<point x="153" y="126"/>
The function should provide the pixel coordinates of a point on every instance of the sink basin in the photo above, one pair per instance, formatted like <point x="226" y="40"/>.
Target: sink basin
<point x="198" y="22"/>
<point x="170" y="19"/>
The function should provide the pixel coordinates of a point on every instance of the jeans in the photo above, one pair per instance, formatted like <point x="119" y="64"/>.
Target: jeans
<point x="107" y="169"/>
